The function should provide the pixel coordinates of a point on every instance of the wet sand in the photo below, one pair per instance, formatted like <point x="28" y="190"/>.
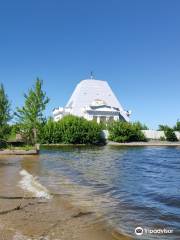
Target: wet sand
<point x="23" y="216"/>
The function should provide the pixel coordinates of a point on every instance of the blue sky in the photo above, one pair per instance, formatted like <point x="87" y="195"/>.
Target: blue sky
<point x="134" y="45"/>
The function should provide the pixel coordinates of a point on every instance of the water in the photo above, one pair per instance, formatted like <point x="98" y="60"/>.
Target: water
<point x="132" y="187"/>
<point x="128" y="187"/>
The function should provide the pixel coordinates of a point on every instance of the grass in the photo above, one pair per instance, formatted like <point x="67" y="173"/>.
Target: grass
<point x="25" y="147"/>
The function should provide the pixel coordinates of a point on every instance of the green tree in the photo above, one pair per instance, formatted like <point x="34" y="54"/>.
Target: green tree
<point x="141" y="126"/>
<point x="163" y="127"/>
<point x="177" y="127"/>
<point x="31" y="115"/>
<point x="5" y="115"/>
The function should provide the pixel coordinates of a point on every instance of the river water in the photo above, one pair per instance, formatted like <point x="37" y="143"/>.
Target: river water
<point x="127" y="186"/>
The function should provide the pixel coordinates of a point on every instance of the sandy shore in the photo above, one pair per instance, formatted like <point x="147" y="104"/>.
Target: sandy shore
<point x="25" y="217"/>
<point x="28" y="218"/>
<point x="149" y="143"/>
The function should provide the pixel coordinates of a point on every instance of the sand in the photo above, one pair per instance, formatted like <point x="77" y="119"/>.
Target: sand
<point x="24" y="217"/>
<point x="152" y="143"/>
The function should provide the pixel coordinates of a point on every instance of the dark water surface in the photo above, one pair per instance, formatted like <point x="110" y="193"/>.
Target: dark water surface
<point x="129" y="186"/>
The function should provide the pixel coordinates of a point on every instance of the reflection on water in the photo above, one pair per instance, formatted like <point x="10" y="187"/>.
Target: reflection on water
<point x="130" y="186"/>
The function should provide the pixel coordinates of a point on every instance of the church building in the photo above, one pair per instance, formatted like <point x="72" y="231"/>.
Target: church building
<point x="94" y="100"/>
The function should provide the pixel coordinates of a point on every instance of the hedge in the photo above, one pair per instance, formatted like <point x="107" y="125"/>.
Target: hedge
<point x="125" y="132"/>
<point x="71" y="130"/>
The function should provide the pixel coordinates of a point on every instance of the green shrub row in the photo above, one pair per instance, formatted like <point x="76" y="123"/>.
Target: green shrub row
<point x="125" y="132"/>
<point x="71" y="130"/>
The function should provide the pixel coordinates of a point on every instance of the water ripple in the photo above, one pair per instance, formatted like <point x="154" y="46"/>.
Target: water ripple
<point x="132" y="186"/>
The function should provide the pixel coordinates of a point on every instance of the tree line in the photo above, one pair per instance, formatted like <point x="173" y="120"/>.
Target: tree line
<point x="33" y="127"/>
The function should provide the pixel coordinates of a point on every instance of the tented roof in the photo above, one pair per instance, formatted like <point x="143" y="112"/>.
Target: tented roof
<point x="89" y="90"/>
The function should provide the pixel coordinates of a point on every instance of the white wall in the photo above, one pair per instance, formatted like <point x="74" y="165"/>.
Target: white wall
<point x="150" y="134"/>
<point x="153" y="134"/>
<point x="177" y="135"/>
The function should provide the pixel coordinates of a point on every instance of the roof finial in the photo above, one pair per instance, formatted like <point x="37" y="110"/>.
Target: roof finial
<point x="92" y="75"/>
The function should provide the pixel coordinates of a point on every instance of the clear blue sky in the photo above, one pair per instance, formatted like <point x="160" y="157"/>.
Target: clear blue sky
<point x="133" y="44"/>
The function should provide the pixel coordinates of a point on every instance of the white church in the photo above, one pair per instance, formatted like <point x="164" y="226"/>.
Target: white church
<point x="94" y="100"/>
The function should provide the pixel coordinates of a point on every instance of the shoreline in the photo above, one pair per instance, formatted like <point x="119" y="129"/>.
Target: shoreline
<point x="57" y="219"/>
<point x="19" y="152"/>
<point x="150" y="143"/>
<point x="144" y="144"/>
<point x="25" y="216"/>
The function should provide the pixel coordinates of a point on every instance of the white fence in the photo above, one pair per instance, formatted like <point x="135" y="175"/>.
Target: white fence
<point x="153" y="134"/>
<point x="156" y="135"/>
<point x="150" y="134"/>
<point x="178" y="135"/>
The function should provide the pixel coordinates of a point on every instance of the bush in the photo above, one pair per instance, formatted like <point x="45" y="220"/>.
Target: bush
<point x="170" y="135"/>
<point x="5" y="131"/>
<point x="177" y="127"/>
<point x="72" y="130"/>
<point x="162" y="139"/>
<point x="3" y="144"/>
<point x="141" y="126"/>
<point x="169" y="132"/>
<point x="163" y="128"/>
<point x="50" y="132"/>
<point x="125" y="132"/>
